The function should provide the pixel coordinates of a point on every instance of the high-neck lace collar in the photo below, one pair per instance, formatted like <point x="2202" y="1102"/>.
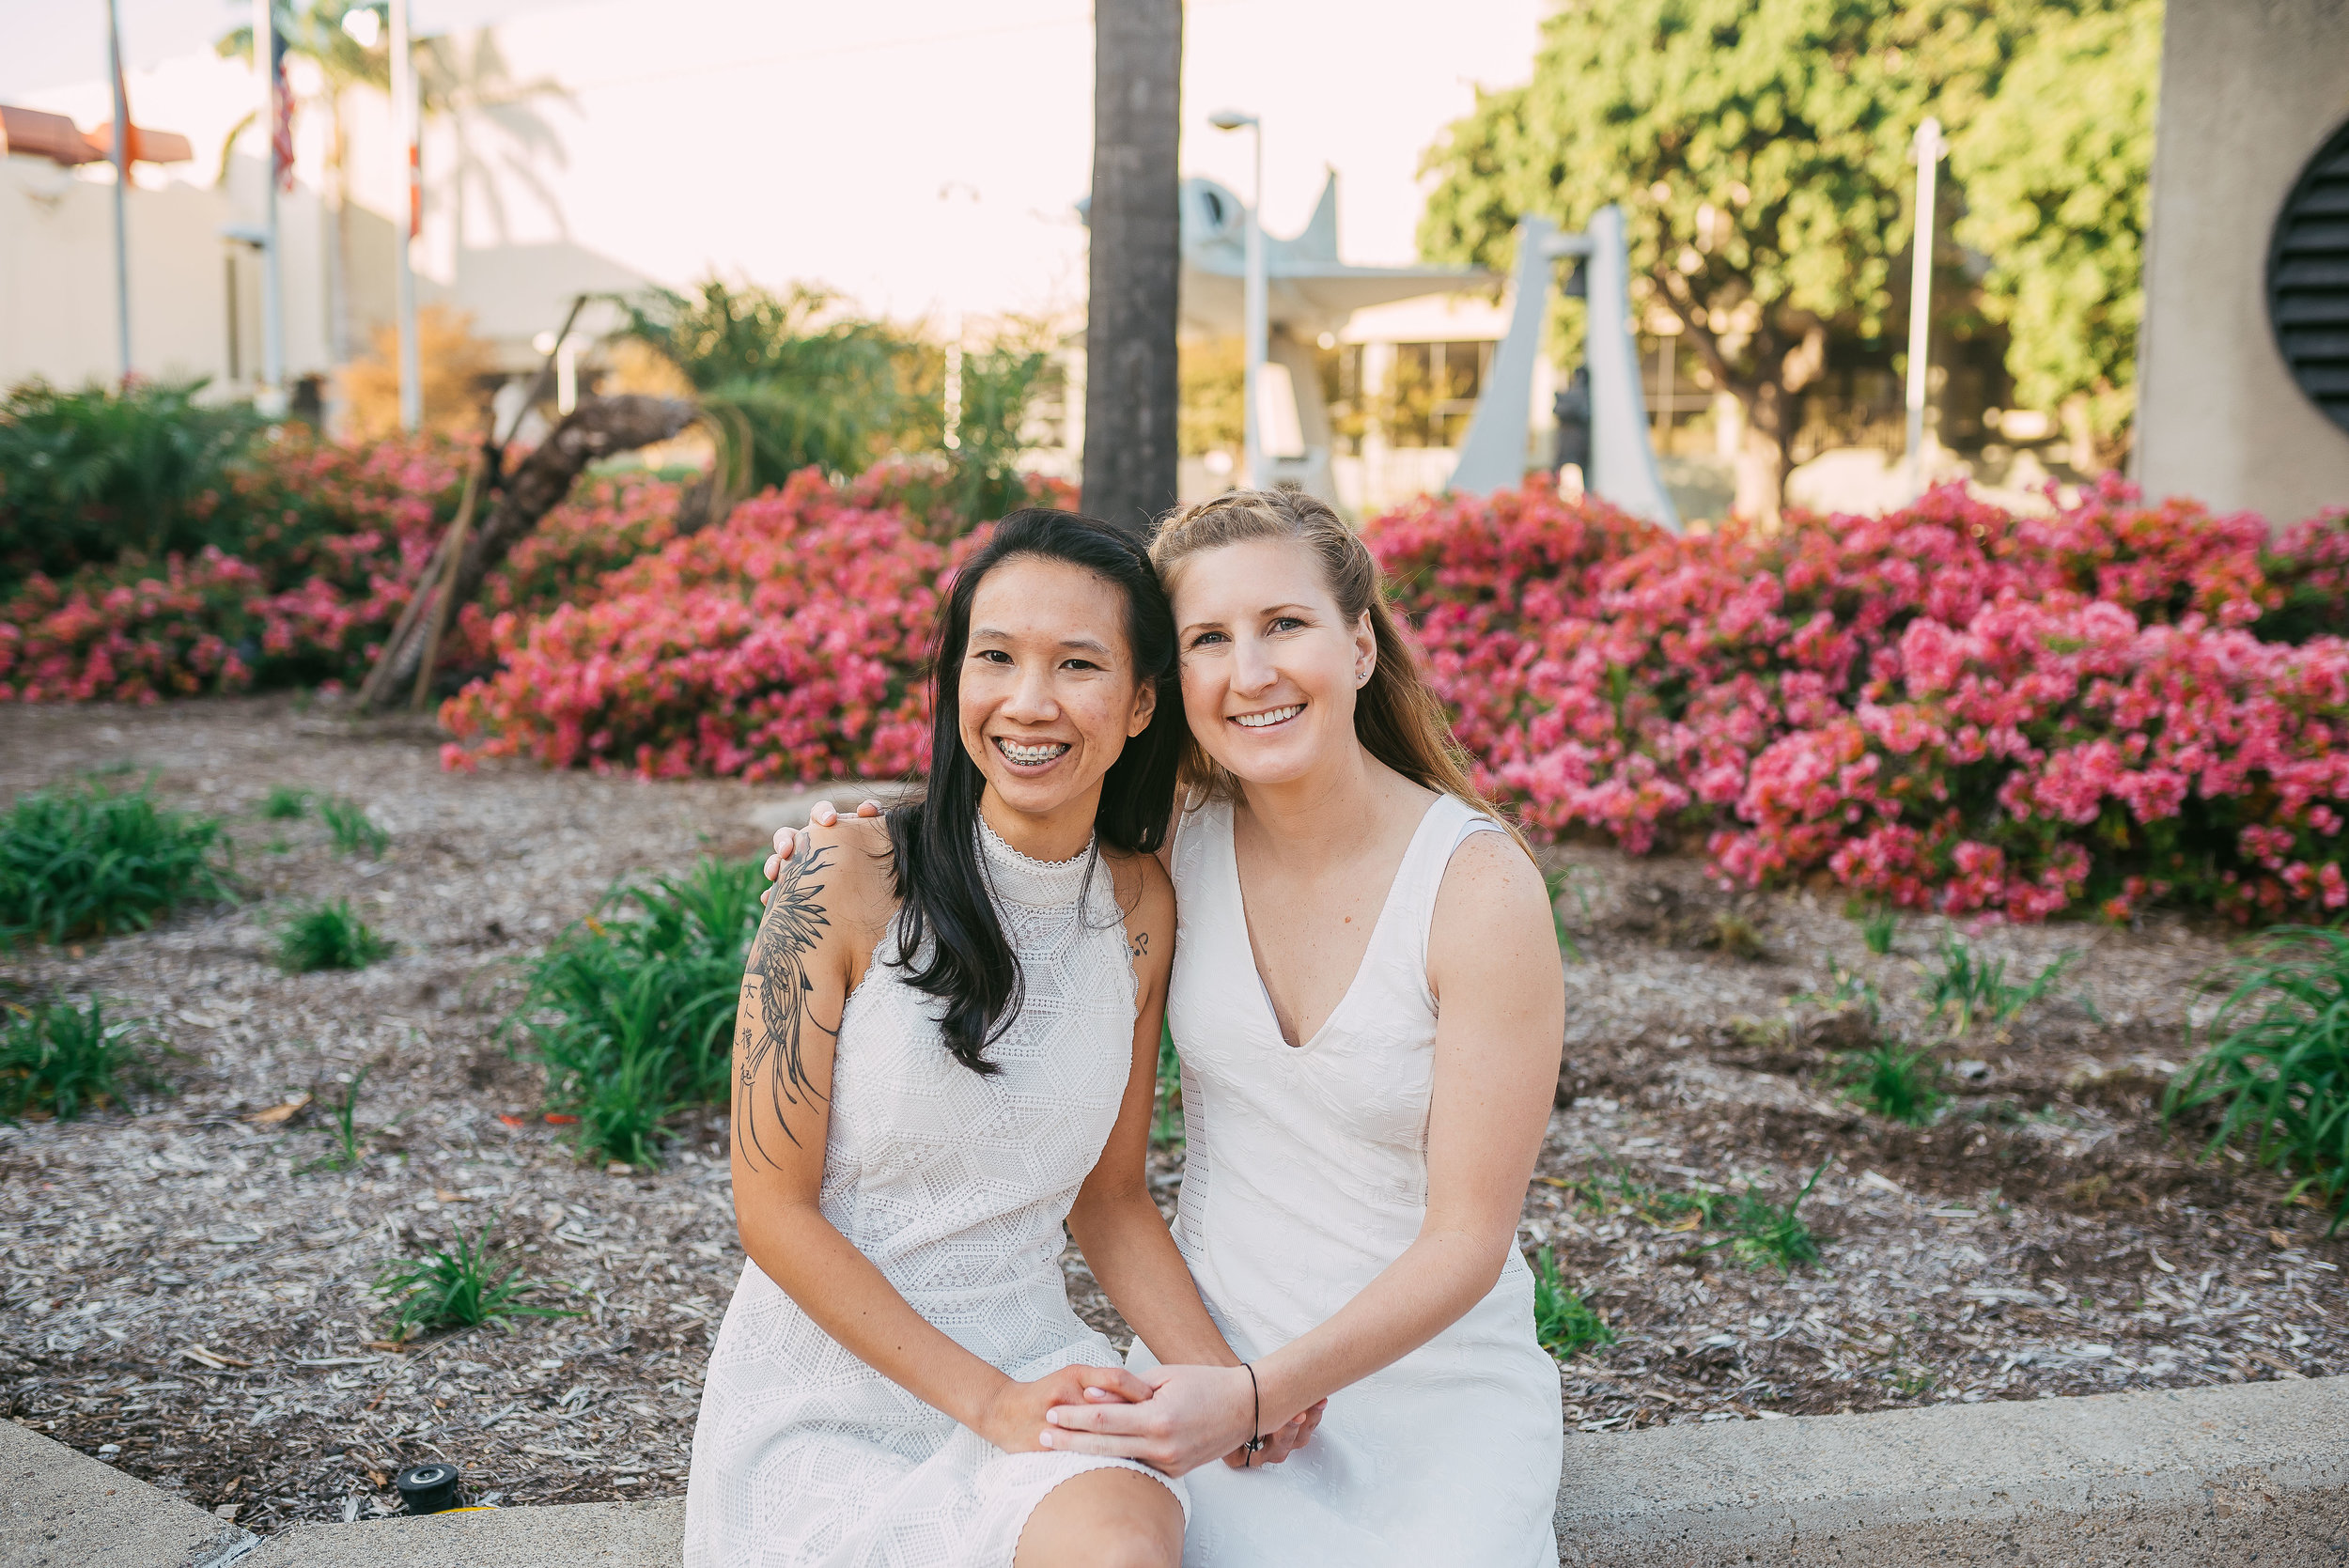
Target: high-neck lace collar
<point x="1024" y="879"/>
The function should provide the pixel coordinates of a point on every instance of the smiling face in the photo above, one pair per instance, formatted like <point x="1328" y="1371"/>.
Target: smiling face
<point x="1270" y="664"/>
<point x="1047" y="693"/>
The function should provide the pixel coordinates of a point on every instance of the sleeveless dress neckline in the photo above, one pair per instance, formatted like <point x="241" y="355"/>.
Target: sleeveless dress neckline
<point x="1370" y="949"/>
<point x="1021" y="878"/>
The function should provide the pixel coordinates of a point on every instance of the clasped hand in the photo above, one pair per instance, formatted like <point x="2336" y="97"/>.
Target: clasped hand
<point x="1173" y="1418"/>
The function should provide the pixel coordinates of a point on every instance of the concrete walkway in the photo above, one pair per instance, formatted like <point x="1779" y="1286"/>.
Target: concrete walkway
<point x="2249" y="1473"/>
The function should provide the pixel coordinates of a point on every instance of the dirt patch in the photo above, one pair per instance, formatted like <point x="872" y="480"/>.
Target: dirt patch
<point x="186" y="1293"/>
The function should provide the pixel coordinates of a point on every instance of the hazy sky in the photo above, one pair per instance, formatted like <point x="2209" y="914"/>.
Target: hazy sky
<point x="923" y="157"/>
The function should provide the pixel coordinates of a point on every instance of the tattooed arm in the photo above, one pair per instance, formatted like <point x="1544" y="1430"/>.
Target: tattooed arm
<point x="829" y="908"/>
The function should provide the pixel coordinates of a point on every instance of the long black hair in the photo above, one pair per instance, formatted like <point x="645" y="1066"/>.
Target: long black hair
<point x="942" y="888"/>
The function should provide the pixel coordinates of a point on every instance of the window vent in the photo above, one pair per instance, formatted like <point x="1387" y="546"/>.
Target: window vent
<point x="2308" y="279"/>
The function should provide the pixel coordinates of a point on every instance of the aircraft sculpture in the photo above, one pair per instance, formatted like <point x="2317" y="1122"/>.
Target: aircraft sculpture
<point x="1309" y="292"/>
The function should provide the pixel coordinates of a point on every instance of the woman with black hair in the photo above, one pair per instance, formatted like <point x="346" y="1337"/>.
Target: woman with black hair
<point x="946" y="1046"/>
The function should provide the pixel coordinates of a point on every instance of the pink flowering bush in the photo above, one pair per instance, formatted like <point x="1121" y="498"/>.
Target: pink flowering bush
<point x="1944" y="707"/>
<point x="788" y="640"/>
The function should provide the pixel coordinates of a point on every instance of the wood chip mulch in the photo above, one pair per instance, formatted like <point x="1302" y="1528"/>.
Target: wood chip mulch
<point x="187" y="1289"/>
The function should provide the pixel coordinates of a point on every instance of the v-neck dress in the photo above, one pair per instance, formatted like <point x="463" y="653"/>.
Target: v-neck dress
<point x="1305" y="1176"/>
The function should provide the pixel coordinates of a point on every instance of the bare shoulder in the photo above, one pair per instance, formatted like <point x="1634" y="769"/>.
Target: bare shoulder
<point x="1493" y="896"/>
<point x="1145" y="895"/>
<point x="846" y="877"/>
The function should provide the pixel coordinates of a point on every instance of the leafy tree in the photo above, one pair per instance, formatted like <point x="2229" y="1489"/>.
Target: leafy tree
<point x="789" y="380"/>
<point x="2056" y="177"/>
<point x="1760" y="152"/>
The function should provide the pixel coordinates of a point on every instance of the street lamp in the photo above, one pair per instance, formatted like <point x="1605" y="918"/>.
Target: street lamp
<point x="1929" y="148"/>
<point x="1254" y="326"/>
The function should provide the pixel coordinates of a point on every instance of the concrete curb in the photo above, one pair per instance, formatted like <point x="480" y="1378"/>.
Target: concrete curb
<point x="2248" y="1472"/>
<point x="601" y="1534"/>
<point x="59" y="1508"/>
<point x="2252" y="1472"/>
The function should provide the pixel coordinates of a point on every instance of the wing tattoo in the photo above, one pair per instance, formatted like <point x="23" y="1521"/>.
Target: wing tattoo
<point x="775" y="1071"/>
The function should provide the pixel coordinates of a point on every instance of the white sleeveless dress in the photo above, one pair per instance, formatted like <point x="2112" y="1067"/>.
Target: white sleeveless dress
<point x="1306" y="1174"/>
<point x="956" y="1185"/>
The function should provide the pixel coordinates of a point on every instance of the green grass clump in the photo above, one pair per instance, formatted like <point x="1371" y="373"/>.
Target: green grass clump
<point x="84" y="860"/>
<point x="1967" y="986"/>
<point x="328" y="936"/>
<point x="1563" y="1321"/>
<point x="1667" y="1208"/>
<point x="348" y="1151"/>
<point x="2274" y="1057"/>
<point x="1894" y="1080"/>
<point x="58" y="1060"/>
<point x="456" y="1287"/>
<point x="285" y="803"/>
<point x="1762" y="1233"/>
<point x="633" y="1017"/>
<point x="1879" y="927"/>
<point x="1166" y="1124"/>
<point x="1559" y="883"/>
<point x="354" y="831"/>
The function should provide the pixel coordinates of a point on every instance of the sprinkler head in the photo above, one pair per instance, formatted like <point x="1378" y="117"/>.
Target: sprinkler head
<point x="427" y="1488"/>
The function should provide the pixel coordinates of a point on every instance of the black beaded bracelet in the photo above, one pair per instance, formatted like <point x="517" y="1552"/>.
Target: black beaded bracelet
<point x="1256" y="1419"/>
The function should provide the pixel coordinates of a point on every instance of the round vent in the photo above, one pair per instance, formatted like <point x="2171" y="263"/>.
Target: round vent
<point x="2308" y="279"/>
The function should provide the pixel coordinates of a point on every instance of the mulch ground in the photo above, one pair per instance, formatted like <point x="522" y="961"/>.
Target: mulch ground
<point x="188" y="1291"/>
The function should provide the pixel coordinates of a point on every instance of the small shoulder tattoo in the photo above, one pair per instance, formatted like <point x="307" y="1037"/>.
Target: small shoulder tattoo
<point x="1138" y="944"/>
<point x="774" y="1069"/>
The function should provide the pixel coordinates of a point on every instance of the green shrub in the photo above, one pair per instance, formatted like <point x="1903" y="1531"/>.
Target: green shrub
<point x="1563" y="1321"/>
<point x="633" y="1017"/>
<point x="355" y="832"/>
<point x="2276" y="1059"/>
<point x="58" y="1060"/>
<point x="82" y="861"/>
<point x="285" y="803"/>
<point x="1894" y="1080"/>
<point x="88" y="476"/>
<point x="456" y="1287"/>
<point x="327" y="936"/>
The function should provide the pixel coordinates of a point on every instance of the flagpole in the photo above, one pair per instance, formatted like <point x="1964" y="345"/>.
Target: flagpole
<point x="270" y="397"/>
<point x="122" y="188"/>
<point x="404" y="117"/>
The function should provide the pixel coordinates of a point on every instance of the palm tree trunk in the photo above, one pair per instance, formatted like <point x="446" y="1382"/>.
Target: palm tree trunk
<point x="1135" y="273"/>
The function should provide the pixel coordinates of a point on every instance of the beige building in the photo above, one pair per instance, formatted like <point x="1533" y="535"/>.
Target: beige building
<point x="2242" y="371"/>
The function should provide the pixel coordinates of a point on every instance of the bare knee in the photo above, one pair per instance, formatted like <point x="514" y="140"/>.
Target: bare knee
<point x="1109" y="1518"/>
<point x="1141" y="1543"/>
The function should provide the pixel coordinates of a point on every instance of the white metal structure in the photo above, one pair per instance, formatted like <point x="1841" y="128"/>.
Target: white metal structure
<point x="404" y="114"/>
<point x="1929" y="149"/>
<point x="1623" y="463"/>
<point x="268" y="395"/>
<point x="122" y="191"/>
<point x="1254" y="330"/>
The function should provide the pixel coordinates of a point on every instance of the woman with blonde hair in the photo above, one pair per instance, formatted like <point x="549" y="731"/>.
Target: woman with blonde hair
<point x="1369" y="1010"/>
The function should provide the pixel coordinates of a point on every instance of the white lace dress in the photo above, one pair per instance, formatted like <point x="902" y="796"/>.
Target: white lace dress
<point x="956" y="1185"/>
<point x="1305" y="1175"/>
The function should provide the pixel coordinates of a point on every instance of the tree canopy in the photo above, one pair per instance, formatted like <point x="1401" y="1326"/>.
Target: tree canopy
<point x="2056" y="174"/>
<point x="1760" y="152"/>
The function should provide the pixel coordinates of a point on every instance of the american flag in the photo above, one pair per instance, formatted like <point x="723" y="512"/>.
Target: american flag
<point x="282" y="112"/>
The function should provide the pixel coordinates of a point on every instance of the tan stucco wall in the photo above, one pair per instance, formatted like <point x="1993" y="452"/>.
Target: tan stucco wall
<point x="2249" y="89"/>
